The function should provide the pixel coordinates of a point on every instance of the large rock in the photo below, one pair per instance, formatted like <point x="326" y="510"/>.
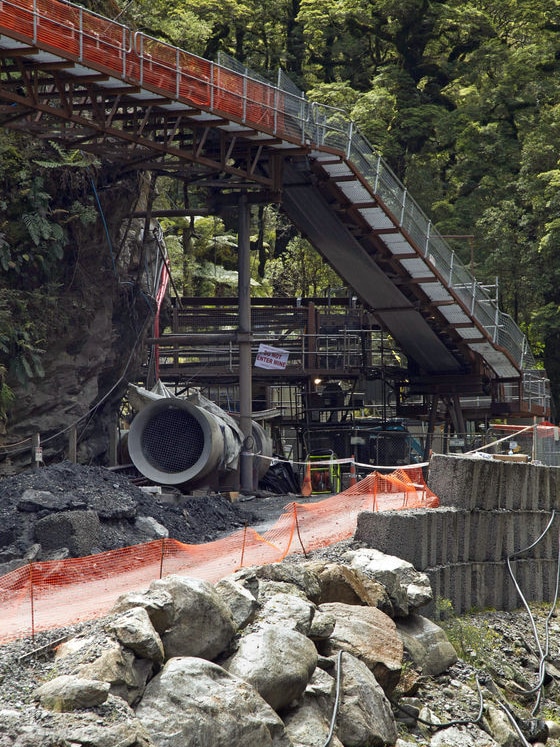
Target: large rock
<point x="427" y="644"/>
<point x="242" y="604"/>
<point x="277" y="662"/>
<point x="340" y="583"/>
<point x="195" y="703"/>
<point x="287" y="610"/>
<point x="369" y="635"/>
<point x="101" y="657"/>
<point x="365" y="717"/>
<point x="135" y="631"/>
<point x="309" y="723"/>
<point x="126" y="674"/>
<point x="158" y="603"/>
<point x="68" y="693"/>
<point x="201" y="623"/>
<point x="408" y="589"/>
<point x="460" y="736"/>
<point x="76" y="530"/>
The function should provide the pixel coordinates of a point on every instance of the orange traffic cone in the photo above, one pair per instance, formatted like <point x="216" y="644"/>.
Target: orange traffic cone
<point x="306" y="488"/>
<point x="353" y="478"/>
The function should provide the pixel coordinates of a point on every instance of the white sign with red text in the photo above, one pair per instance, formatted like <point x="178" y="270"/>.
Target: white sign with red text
<point x="269" y="357"/>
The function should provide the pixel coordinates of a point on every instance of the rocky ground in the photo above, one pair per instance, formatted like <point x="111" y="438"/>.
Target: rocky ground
<point x="499" y="650"/>
<point x="28" y="498"/>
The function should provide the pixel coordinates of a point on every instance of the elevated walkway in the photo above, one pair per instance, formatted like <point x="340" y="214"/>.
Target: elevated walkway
<point x="96" y="85"/>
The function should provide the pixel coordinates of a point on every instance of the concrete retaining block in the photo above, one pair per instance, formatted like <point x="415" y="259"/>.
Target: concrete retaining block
<point x="489" y="511"/>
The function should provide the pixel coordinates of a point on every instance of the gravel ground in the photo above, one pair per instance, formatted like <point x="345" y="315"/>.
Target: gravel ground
<point x="498" y="648"/>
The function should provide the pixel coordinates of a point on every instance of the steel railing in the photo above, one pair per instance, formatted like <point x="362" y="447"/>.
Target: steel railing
<point x="230" y="89"/>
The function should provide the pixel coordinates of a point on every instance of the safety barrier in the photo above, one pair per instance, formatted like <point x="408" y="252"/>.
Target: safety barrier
<point x="45" y="595"/>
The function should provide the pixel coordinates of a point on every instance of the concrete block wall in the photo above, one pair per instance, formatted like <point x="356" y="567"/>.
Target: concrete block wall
<point x="489" y="511"/>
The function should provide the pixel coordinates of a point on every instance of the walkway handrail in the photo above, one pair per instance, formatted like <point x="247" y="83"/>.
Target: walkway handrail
<point x="231" y="90"/>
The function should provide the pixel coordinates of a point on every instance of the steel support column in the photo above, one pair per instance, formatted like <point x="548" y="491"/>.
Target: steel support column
<point x="245" y="335"/>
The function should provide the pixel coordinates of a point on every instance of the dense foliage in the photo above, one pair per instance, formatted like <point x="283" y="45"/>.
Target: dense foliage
<point x="461" y="97"/>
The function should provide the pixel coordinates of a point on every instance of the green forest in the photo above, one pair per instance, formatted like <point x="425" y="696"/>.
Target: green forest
<point x="460" y="98"/>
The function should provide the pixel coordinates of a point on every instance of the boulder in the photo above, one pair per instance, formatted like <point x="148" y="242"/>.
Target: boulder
<point x="76" y="530"/>
<point x="298" y="574"/>
<point x="126" y="674"/>
<point x="309" y="723"/>
<point x="135" y="631"/>
<point x="277" y="662"/>
<point x="369" y="635"/>
<point x="33" y="501"/>
<point x="286" y="610"/>
<point x="365" y="717"/>
<point x="201" y="623"/>
<point x="340" y="583"/>
<point x="150" y="528"/>
<point x="241" y="603"/>
<point x="158" y="603"/>
<point x="69" y="693"/>
<point x="499" y="726"/>
<point x="195" y="703"/>
<point x="427" y="644"/>
<point x="408" y="589"/>
<point x="460" y="736"/>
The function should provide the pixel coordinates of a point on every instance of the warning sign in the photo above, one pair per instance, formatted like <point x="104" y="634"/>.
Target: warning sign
<point x="269" y="357"/>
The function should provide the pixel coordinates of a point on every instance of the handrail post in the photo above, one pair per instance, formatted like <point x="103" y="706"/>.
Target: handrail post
<point x="81" y="34"/>
<point x="403" y="206"/>
<point x="35" y="21"/>
<point x="377" y="172"/>
<point x="244" y="118"/>
<point x="350" y="136"/>
<point x="428" y="231"/>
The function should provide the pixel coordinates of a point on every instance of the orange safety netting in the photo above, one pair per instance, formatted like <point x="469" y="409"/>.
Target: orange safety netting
<point x="41" y="596"/>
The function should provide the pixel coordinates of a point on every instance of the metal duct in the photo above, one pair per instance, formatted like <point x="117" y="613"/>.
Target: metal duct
<point x="172" y="442"/>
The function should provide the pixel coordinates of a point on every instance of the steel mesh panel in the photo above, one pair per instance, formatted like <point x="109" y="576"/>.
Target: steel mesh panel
<point x="172" y="441"/>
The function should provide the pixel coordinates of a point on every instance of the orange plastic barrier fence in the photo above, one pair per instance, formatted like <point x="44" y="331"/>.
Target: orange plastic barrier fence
<point x="41" y="596"/>
<point x="110" y="47"/>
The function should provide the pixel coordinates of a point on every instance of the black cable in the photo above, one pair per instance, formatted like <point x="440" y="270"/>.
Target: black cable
<point x="542" y="654"/>
<point x="446" y="724"/>
<point x="336" y="700"/>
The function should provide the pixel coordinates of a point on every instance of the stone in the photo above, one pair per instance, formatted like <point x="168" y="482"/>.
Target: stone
<point x="408" y="588"/>
<point x="369" y="635"/>
<point x="69" y="693"/>
<point x="201" y="623"/>
<point x="498" y="725"/>
<point x="287" y="610"/>
<point x="76" y="530"/>
<point x="277" y="662"/>
<point x="158" y="603"/>
<point x="33" y="501"/>
<point x="151" y="528"/>
<point x="365" y="716"/>
<point x="340" y="583"/>
<point x="126" y="674"/>
<point x="195" y="703"/>
<point x="135" y="631"/>
<point x="322" y="625"/>
<point x="427" y="644"/>
<point x="460" y="736"/>
<point x="241" y="603"/>
<point x="308" y="724"/>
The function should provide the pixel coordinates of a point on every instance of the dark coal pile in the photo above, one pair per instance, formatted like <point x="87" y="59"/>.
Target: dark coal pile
<point x="71" y="510"/>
